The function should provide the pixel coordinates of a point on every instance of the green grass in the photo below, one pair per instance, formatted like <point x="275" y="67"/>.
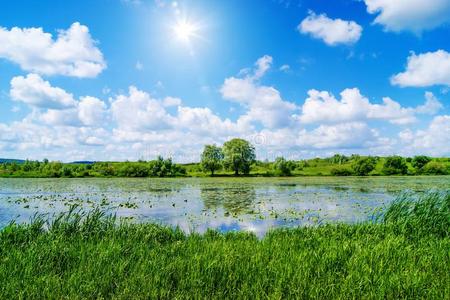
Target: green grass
<point x="405" y="255"/>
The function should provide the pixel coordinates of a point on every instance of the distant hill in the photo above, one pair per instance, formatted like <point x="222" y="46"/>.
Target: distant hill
<point x="83" y="162"/>
<point x="10" y="160"/>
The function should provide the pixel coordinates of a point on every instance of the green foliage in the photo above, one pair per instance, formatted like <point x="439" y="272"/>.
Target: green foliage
<point x="435" y="168"/>
<point x="87" y="256"/>
<point x="395" y="165"/>
<point x="239" y="154"/>
<point x="212" y="158"/>
<point x="430" y="214"/>
<point x="418" y="162"/>
<point x="364" y="165"/>
<point x="338" y="165"/>
<point x="158" y="168"/>
<point x="338" y="159"/>
<point x="283" y="167"/>
<point x="341" y="171"/>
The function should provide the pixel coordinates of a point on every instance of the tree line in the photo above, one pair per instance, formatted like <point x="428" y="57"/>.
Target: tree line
<point x="234" y="157"/>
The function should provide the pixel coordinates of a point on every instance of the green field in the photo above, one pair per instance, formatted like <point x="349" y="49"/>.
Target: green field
<point x="404" y="255"/>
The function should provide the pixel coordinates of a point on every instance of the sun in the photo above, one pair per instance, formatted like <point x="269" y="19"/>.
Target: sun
<point x="185" y="30"/>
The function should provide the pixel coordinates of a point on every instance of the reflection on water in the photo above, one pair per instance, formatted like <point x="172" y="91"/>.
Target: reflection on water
<point x="235" y="201"/>
<point x="252" y="204"/>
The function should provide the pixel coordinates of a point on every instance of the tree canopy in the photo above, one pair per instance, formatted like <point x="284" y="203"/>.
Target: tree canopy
<point x="364" y="165"/>
<point x="395" y="165"/>
<point x="239" y="154"/>
<point x="212" y="158"/>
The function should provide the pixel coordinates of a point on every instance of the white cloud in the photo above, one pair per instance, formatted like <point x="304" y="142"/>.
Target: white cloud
<point x="345" y="135"/>
<point x="264" y="103"/>
<point x="73" y="53"/>
<point x="55" y="106"/>
<point x="91" y="111"/>
<point x="434" y="140"/>
<point x="331" y="31"/>
<point x="139" y="111"/>
<point x="285" y="68"/>
<point x="35" y="91"/>
<point x="135" y="124"/>
<point x="427" y="69"/>
<point x="431" y="106"/>
<point x="58" y="117"/>
<point x="322" y="107"/>
<point x="171" y="101"/>
<point x="411" y="15"/>
<point x="263" y="65"/>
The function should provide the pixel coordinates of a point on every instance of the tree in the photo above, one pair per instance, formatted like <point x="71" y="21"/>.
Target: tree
<point x="364" y="165"/>
<point x="395" y="165"/>
<point x="238" y="155"/>
<point x="338" y="159"/>
<point x="283" y="167"/>
<point x="435" y="168"/>
<point x="418" y="162"/>
<point x="212" y="158"/>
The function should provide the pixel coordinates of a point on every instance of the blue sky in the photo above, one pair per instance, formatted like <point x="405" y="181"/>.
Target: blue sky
<point x="129" y="79"/>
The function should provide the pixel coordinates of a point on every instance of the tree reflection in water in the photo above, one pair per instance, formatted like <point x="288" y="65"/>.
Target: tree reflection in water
<point x="234" y="200"/>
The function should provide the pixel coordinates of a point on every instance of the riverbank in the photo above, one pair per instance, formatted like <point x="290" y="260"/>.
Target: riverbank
<point x="405" y="255"/>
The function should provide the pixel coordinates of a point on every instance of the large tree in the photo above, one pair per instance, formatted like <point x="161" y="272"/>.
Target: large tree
<point x="239" y="154"/>
<point x="212" y="158"/>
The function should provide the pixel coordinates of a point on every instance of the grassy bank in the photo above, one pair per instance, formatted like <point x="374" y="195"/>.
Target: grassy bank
<point x="405" y="255"/>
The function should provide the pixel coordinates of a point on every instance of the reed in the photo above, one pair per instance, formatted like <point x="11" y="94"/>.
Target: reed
<point x="93" y="255"/>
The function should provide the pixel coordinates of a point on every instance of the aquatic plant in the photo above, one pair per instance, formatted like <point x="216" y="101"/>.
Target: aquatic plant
<point x="94" y="255"/>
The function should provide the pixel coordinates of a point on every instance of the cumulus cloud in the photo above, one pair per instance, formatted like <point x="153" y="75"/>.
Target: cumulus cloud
<point x="264" y="103"/>
<point x="138" y="110"/>
<point x="434" y="140"/>
<point x="53" y="105"/>
<point x="427" y="69"/>
<point x="58" y="117"/>
<point x="344" y="135"/>
<point x="322" y="106"/>
<point x="136" y="124"/>
<point x="331" y="31"/>
<point x="91" y="111"/>
<point x="411" y="15"/>
<point x="72" y="53"/>
<point x="431" y="106"/>
<point x="35" y="91"/>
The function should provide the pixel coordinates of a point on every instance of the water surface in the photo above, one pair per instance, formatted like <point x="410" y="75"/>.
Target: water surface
<point x="196" y="204"/>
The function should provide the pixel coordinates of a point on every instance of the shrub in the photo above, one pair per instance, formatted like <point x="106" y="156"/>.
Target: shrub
<point x="341" y="171"/>
<point x="283" y="167"/>
<point x="418" y="162"/>
<point x="395" y="165"/>
<point x="363" y="166"/>
<point x="435" y="168"/>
